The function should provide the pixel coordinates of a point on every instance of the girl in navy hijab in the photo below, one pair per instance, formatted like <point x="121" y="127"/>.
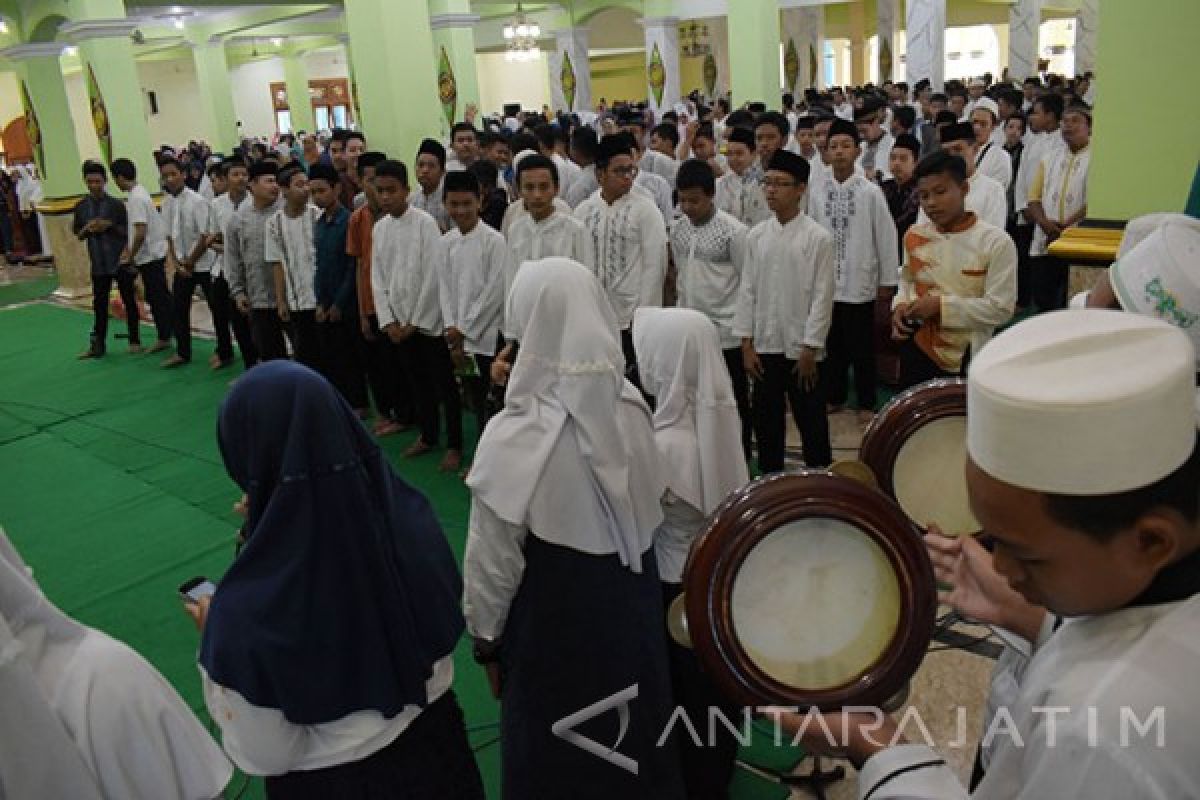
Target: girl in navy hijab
<point x="326" y="652"/>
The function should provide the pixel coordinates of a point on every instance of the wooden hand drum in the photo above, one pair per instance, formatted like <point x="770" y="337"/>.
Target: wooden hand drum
<point x="917" y="448"/>
<point x="809" y="590"/>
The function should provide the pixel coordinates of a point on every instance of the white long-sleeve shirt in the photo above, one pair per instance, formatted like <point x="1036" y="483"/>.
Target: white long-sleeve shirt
<point x="472" y="271"/>
<point x="582" y="187"/>
<point x="261" y="741"/>
<point x="223" y="209"/>
<point x="403" y="276"/>
<point x="865" y="252"/>
<point x="1087" y="721"/>
<point x="628" y="250"/>
<point x="877" y="154"/>
<point x="568" y="173"/>
<point x="1038" y="147"/>
<point x="708" y="261"/>
<point x="785" y="302"/>
<point x="659" y="189"/>
<point x="995" y="162"/>
<point x="139" y="209"/>
<point x="986" y="198"/>
<point x="742" y="196"/>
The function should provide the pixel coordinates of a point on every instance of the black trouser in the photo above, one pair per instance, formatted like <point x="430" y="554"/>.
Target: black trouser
<point x="154" y="279"/>
<point x="478" y="387"/>
<point x="267" y="330"/>
<point x="387" y="375"/>
<point x="185" y="286"/>
<point x="780" y="387"/>
<point x="432" y="372"/>
<point x="851" y="342"/>
<point x="341" y="359"/>
<point x="306" y="345"/>
<point x="917" y="367"/>
<point x="226" y="316"/>
<point x="741" y="393"/>
<point x="630" y="353"/>
<point x="101" y="288"/>
<point x="1022" y="236"/>
<point x="708" y="767"/>
<point x="1049" y="282"/>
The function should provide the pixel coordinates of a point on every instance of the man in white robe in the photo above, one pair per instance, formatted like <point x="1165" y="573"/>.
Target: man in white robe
<point x="991" y="159"/>
<point x="986" y="197"/>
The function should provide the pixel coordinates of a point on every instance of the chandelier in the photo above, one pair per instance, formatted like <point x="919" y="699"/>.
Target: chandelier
<point x="520" y="37"/>
<point x="693" y="40"/>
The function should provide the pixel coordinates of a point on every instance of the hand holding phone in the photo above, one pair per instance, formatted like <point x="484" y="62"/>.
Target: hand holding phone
<point x="192" y="590"/>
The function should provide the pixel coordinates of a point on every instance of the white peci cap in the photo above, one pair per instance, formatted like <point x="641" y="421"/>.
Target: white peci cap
<point x="987" y="104"/>
<point x="1083" y="403"/>
<point x="1159" y="276"/>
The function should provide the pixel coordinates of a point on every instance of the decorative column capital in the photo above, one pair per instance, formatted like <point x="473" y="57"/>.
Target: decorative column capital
<point x="85" y="30"/>
<point x="32" y="50"/>
<point x="452" y="21"/>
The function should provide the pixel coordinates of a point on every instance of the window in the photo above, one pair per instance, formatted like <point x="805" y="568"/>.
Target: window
<point x="330" y="100"/>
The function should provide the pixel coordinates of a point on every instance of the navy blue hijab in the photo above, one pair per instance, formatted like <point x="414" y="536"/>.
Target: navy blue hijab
<point x="346" y="592"/>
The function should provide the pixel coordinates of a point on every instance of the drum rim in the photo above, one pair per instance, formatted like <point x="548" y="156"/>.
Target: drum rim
<point x="901" y="418"/>
<point x="758" y="510"/>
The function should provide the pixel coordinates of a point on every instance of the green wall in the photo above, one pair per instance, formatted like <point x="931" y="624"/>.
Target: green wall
<point x="1146" y="132"/>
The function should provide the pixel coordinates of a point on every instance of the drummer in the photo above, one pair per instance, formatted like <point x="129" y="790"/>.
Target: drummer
<point x="959" y="279"/>
<point x="1083" y="466"/>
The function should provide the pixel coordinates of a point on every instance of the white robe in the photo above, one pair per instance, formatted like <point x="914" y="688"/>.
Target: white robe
<point x="558" y="235"/>
<point x="785" y="301"/>
<point x="89" y="707"/>
<point x="1138" y="659"/>
<point x="986" y="198"/>
<point x="403" y="279"/>
<point x="628" y="251"/>
<point x="471" y="271"/>
<point x="866" y="255"/>
<point x="742" y="197"/>
<point x="995" y="162"/>
<point x="708" y="261"/>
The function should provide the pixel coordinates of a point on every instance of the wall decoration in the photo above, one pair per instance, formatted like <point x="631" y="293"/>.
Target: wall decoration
<point x="99" y="115"/>
<point x="33" y="129"/>
<point x="791" y="65"/>
<point x="447" y="87"/>
<point x="567" y="78"/>
<point x="656" y="74"/>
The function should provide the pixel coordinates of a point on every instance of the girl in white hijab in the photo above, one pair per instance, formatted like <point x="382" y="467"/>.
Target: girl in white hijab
<point x="699" y="435"/>
<point x="93" y="717"/>
<point x="562" y="592"/>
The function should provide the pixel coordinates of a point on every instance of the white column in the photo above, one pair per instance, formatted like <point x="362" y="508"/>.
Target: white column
<point x="1087" y="26"/>
<point x="569" y="63"/>
<point x="1024" y="23"/>
<point x="662" y="52"/>
<point x="804" y="39"/>
<point x="886" y="13"/>
<point x="925" y="21"/>
<point x="718" y="37"/>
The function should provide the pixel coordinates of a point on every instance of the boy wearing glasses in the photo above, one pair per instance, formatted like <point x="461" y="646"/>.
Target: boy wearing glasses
<point x="627" y="239"/>
<point x="784" y="311"/>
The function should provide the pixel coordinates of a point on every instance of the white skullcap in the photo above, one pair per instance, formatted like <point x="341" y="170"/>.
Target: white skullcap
<point x="987" y="104"/>
<point x="1083" y="403"/>
<point x="1160" y="275"/>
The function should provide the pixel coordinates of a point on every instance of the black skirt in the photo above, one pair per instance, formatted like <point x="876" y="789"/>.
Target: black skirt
<point x="583" y="628"/>
<point x="430" y="760"/>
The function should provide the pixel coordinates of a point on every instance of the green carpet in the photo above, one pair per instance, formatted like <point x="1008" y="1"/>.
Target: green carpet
<point x="115" y="493"/>
<point x="26" y="290"/>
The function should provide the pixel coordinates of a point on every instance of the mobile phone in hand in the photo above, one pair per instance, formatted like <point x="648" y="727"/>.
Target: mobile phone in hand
<point x="192" y="590"/>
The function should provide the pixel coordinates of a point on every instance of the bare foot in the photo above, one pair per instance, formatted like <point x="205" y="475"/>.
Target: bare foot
<point x="136" y="349"/>
<point x="451" y="462"/>
<point x="158" y="346"/>
<point x="417" y="448"/>
<point x="173" y="361"/>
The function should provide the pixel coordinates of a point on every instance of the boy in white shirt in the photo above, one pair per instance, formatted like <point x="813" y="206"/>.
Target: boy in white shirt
<point x="628" y="240"/>
<point x="472" y="268"/>
<point x="740" y="191"/>
<point x="709" y="249"/>
<point x="784" y="310"/>
<point x="405" y="245"/>
<point x="866" y="258"/>
<point x="291" y="252"/>
<point x="985" y="197"/>
<point x="147" y="249"/>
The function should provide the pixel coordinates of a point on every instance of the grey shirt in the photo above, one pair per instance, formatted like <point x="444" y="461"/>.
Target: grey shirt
<point x="249" y="273"/>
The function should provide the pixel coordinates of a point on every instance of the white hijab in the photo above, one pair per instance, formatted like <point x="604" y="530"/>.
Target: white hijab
<point x="696" y="422"/>
<point x="105" y="721"/>
<point x="571" y="457"/>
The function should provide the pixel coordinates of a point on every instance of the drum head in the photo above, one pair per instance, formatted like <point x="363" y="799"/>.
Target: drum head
<point x="917" y="448"/>
<point x="810" y="590"/>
